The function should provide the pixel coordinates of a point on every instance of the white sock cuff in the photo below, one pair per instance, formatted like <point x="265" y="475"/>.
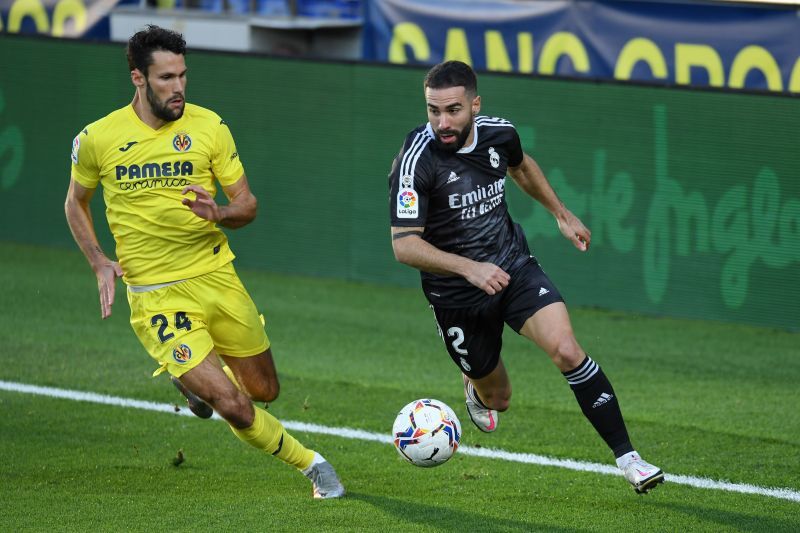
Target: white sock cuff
<point x="317" y="460"/>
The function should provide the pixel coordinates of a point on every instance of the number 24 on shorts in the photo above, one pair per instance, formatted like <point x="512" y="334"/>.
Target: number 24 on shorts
<point x="181" y="322"/>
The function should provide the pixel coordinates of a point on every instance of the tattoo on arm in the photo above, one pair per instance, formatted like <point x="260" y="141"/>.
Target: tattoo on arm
<point x="401" y="234"/>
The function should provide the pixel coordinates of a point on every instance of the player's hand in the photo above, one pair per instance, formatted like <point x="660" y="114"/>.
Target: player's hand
<point x="573" y="229"/>
<point x="203" y="205"/>
<point x="107" y="276"/>
<point x="488" y="277"/>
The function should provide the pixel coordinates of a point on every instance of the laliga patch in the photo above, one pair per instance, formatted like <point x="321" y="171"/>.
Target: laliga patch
<point x="182" y="353"/>
<point x="182" y="142"/>
<point x="407" y="203"/>
<point x="76" y="147"/>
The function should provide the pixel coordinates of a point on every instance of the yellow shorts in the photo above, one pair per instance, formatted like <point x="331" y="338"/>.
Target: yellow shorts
<point x="180" y="324"/>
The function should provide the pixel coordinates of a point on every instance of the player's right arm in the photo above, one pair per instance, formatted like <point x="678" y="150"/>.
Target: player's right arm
<point x="84" y="180"/>
<point x="411" y="249"/>
<point x="79" y="218"/>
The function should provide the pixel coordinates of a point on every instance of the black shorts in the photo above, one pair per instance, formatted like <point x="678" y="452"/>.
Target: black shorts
<point x="473" y="335"/>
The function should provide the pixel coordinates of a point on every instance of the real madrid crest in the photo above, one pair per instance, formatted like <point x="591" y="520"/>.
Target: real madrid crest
<point x="494" y="157"/>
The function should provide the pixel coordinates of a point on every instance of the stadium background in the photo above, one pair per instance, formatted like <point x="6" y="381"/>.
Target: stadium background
<point x="693" y="196"/>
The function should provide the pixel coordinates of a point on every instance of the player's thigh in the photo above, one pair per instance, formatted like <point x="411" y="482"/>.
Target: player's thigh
<point x="234" y="322"/>
<point x="171" y="325"/>
<point x="209" y="382"/>
<point x="256" y="374"/>
<point x="551" y="329"/>
<point x="529" y="291"/>
<point x="207" y="379"/>
<point x="473" y="338"/>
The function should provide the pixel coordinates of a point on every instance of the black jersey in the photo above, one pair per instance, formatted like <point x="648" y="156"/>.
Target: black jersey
<point x="459" y="198"/>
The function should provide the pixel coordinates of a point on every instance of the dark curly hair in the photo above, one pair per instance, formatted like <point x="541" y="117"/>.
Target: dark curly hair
<point x="452" y="74"/>
<point x="153" y="38"/>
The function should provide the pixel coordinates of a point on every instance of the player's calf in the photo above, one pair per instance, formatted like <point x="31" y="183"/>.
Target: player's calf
<point x="484" y="418"/>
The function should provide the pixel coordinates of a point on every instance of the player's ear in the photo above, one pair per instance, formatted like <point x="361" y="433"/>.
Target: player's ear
<point x="476" y="105"/>
<point x="138" y="78"/>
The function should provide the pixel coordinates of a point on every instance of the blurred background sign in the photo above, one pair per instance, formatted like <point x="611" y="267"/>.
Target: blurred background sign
<point x="59" y="18"/>
<point x="707" y="44"/>
<point x="693" y="197"/>
<point x="741" y="46"/>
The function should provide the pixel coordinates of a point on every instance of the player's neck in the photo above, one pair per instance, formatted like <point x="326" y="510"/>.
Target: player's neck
<point x="145" y="114"/>
<point x="471" y="136"/>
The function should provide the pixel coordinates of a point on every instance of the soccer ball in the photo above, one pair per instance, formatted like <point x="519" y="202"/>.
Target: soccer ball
<point x="426" y="432"/>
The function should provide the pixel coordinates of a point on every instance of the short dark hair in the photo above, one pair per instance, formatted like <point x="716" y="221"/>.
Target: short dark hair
<point x="151" y="39"/>
<point x="452" y="74"/>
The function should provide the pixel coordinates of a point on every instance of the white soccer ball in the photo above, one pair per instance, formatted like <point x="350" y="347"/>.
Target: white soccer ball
<point x="426" y="432"/>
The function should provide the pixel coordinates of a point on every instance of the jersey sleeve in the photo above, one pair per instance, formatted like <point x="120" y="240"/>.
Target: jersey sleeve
<point x="85" y="168"/>
<point x="225" y="162"/>
<point x="410" y="182"/>
<point x="515" y="153"/>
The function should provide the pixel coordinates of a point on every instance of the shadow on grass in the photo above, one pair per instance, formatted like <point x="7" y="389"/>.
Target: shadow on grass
<point x="740" y="521"/>
<point x="436" y="517"/>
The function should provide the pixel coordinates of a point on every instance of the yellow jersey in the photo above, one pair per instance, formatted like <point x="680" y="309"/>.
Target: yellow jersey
<point x="143" y="172"/>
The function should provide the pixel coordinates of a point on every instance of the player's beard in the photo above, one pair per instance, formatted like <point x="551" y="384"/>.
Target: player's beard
<point x="461" y="138"/>
<point x="161" y="109"/>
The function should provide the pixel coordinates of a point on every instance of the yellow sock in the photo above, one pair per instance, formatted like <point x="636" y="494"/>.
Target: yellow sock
<point x="229" y="373"/>
<point x="267" y="433"/>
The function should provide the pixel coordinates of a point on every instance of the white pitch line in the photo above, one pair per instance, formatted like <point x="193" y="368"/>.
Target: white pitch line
<point x="358" y="434"/>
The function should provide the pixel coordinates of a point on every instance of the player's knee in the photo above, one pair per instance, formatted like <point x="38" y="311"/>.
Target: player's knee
<point x="265" y="390"/>
<point x="235" y="408"/>
<point x="566" y="354"/>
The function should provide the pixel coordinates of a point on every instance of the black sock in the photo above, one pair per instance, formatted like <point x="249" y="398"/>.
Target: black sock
<point x="599" y="404"/>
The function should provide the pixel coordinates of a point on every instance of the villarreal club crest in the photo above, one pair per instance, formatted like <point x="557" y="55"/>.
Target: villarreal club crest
<point x="182" y="142"/>
<point x="182" y="353"/>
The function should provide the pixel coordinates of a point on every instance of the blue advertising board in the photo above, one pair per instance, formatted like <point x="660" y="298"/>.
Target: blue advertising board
<point x="717" y="45"/>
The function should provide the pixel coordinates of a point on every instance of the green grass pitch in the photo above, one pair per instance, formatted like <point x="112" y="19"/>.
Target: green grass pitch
<point x="704" y="399"/>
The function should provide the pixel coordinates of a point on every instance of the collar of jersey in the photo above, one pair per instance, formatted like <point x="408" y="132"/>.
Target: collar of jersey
<point x="150" y="131"/>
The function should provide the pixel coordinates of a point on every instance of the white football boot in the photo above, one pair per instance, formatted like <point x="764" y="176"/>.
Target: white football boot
<point x="640" y="474"/>
<point x="324" y="480"/>
<point x="484" y="418"/>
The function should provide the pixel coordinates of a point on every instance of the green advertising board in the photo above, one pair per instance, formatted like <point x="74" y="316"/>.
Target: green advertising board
<point x="693" y="198"/>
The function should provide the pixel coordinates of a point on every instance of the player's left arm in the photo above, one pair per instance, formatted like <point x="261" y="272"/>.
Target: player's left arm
<point x="240" y="210"/>
<point x="532" y="180"/>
